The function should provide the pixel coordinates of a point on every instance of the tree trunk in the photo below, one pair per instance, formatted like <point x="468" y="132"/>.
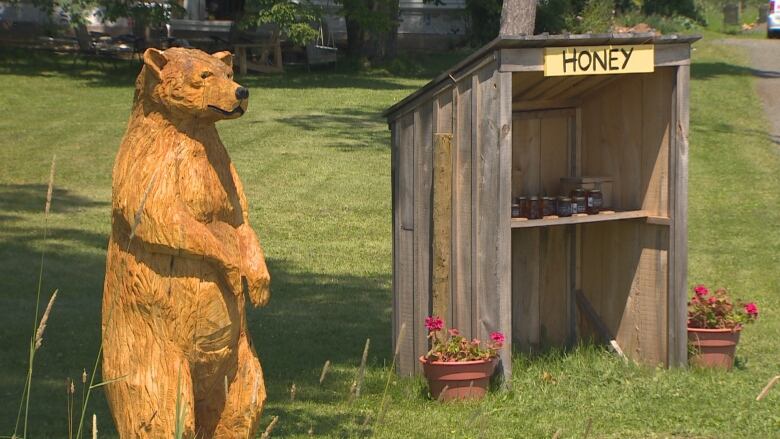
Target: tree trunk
<point x="391" y="39"/>
<point x="355" y="38"/>
<point x="518" y="17"/>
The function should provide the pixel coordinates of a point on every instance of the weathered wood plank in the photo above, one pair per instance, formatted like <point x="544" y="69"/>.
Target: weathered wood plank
<point x="521" y="60"/>
<point x="504" y="231"/>
<point x="678" y="187"/>
<point x="394" y="200"/>
<point x="442" y="222"/>
<point x="525" y="289"/>
<point x="542" y="105"/>
<point x="553" y="285"/>
<point x="656" y="124"/>
<point x="672" y="55"/>
<point x="522" y="82"/>
<point x="405" y="254"/>
<point x="462" y="212"/>
<point x="443" y="110"/>
<point x="520" y="223"/>
<point x="489" y="206"/>
<point x="423" y="179"/>
<point x="554" y="153"/>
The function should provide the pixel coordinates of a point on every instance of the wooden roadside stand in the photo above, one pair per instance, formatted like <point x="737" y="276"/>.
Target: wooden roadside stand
<point x="532" y="115"/>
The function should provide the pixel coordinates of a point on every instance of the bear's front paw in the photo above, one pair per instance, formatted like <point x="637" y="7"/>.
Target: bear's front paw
<point x="259" y="289"/>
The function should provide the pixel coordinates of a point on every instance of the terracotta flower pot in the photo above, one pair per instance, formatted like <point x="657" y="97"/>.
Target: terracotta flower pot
<point x="713" y="347"/>
<point x="458" y="380"/>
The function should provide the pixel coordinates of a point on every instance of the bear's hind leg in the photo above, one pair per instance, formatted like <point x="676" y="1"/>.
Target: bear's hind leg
<point x="246" y="396"/>
<point x="143" y="397"/>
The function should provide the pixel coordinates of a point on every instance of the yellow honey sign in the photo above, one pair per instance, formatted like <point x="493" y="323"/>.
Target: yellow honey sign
<point x="598" y="60"/>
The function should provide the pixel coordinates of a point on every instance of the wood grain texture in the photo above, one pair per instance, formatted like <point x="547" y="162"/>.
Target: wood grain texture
<point x="488" y="205"/>
<point x="181" y="259"/>
<point x="405" y="254"/>
<point x="423" y="183"/>
<point x="442" y="222"/>
<point x="462" y="212"/>
<point x="678" y="187"/>
<point x="504" y="237"/>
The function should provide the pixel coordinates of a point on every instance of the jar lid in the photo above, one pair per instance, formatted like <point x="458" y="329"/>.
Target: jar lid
<point x="597" y="191"/>
<point x="562" y="198"/>
<point x="548" y="198"/>
<point x="534" y="197"/>
<point x="521" y="198"/>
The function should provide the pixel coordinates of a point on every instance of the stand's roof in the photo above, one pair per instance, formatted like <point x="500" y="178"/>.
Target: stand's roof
<point x="545" y="40"/>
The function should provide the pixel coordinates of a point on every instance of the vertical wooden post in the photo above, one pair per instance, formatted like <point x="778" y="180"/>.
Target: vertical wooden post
<point x="678" y="208"/>
<point x="442" y="222"/>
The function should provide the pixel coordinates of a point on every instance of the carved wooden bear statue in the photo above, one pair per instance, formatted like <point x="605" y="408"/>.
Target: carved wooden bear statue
<point x="181" y="257"/>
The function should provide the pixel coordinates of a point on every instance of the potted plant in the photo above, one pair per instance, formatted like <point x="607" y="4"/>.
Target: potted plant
<point x="714" y="325"/>
<point x="456" y="367"/>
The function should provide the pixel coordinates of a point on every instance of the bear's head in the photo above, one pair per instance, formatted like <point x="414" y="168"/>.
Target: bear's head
<point x="191" y="84"/>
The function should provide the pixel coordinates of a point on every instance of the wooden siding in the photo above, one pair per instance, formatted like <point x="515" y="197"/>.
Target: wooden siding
<point x="523" y="281"/>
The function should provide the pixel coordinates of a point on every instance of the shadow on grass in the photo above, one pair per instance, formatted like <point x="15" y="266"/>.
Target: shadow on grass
<point x="312" y="317"/>
<point x="710" y="70"/>
<point x="31" y="198"/>
<point x="734" y="129"/>
<point x="106" y="73"/>
<point x="346" y="129"/>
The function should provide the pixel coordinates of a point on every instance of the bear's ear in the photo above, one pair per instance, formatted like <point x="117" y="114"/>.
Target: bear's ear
<point x="155" y="60"/>
<point x="226" y="57"/>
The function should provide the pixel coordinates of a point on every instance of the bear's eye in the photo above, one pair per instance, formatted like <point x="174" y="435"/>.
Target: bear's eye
<point x="205" y="74"/>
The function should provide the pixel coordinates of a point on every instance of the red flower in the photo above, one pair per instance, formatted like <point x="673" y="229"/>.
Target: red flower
<point x="712" y="300"/>
<point x="434" y="323"/>
<point x="751" y="309"/>
<point x="701" y="290"/>
<point x="497" y="337"/>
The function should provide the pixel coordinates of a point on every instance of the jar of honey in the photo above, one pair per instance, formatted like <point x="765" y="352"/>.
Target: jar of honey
<point x="534" y="208"/>
<point x="564" y="207"/>
<point x="594" y="200"/>
<point x="515" y="210"/>
<point x="578" y="204"/>
<point x="548" y="206"/>
<point x="523" y="203"/>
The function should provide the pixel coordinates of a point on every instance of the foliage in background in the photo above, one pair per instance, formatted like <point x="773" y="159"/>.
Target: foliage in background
<point x="154" y="13"/>
<point x="483" y="19"/>
<point x="294" y="18"/>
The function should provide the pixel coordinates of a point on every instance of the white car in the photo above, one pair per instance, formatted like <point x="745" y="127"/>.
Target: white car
<point x="773" y="19"/>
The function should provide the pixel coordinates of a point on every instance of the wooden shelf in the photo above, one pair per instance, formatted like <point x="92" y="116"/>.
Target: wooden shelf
<point x="580" y="219"/>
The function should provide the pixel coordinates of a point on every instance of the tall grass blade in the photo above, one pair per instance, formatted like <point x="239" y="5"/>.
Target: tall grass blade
<point x="268" y="430"/>
<point x="42" y="326"/>
<point x="25" y="402"/>
<point x="382" y="406"/>
<point x="181" y="410"/>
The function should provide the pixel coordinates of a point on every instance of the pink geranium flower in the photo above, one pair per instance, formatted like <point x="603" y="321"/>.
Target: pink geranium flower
<point x="454" y="332"/>
<point x="701" y="290"/>
<point x="497" y="337"/>
<point x="434" y="323"/>
<point x="751" y="309"/>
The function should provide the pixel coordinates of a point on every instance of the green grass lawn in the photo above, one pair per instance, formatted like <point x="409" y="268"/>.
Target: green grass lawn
<point x="314" y="158"/>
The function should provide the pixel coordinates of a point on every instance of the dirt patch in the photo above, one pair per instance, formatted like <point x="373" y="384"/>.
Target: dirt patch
<point x="765" y="63"/>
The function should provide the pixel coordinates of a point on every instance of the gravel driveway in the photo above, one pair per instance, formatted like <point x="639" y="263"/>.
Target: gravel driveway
<point x="765" y="62"/>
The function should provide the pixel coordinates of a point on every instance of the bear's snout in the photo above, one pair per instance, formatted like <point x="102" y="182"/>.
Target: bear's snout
<point x="242" y="93"/>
